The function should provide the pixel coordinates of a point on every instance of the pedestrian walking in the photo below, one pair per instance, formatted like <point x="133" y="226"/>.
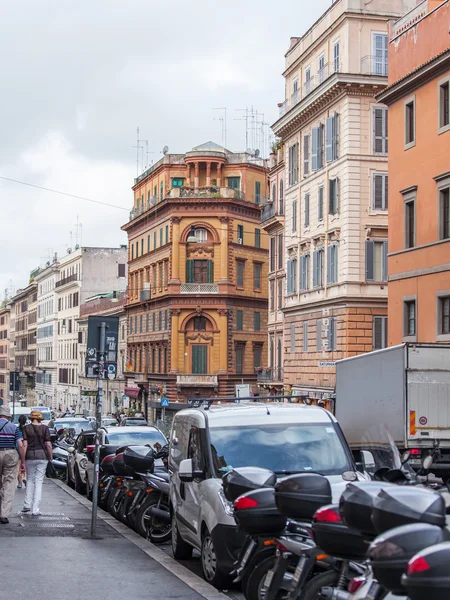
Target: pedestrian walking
<point x="22" y="476"/>
<point x="11" y="447"/>
<point x="38" y="451"/>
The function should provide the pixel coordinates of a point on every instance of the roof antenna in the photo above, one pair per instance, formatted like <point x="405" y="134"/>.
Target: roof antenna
<point x="267" y="408"/>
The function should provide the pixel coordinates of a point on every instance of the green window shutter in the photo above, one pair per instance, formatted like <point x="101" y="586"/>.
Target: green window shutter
<point x="239" y="320"/>
<point x="167" y="234"/>
<point x="161" y="236"/>
<point x="199" y="359"/>
<point x="257" y="192"/>
<point x="257" y="238"/>
<point x="210" y="271"/>
<point x="154" y="240"/>
<point x="257" y="321"/>
<point x="189" y="271"/>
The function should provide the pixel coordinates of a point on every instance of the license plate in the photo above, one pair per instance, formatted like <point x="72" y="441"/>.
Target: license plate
<point x="373" y="590"/>
<point x="299" y="570"/>
<point x="268" y="578"/>
<point x="247" y="553"/>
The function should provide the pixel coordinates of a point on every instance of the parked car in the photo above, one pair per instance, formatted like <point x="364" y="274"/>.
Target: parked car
<point x="75" y="423"/>
<point x="77" y="461"/>
<point x="133" y="422"/>
<point x="109" y="422"/>
<point x="116" y="437"/>
<point x="206" y="444"/>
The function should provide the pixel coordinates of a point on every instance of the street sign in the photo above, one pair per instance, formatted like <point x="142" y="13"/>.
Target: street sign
<point x="14" y="381"/>
<point x="109" y="357"/>
<point x="125" y="402"/>
<point x="327" y="363"/>
<point x="243" y="390"/>
<point x="164" y="402"/>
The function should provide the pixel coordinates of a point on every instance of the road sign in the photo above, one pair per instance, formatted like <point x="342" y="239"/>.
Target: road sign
<point x="164" y="402"/>
<point x="109" y="357"/>
<point x="243" y="390"/>
<point x="14" y="381"/>
<point x="125" y="402"/>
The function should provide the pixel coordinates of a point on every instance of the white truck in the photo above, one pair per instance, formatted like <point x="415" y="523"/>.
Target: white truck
<point x="406" y="388"/>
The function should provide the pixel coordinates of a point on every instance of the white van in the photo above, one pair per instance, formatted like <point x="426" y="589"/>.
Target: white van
<point x="26" y="410"/>
<point x="207" y="442"/>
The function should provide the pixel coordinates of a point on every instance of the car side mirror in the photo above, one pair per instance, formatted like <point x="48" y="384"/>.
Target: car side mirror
<point x="186" y="469"/>
<point x="70" y="450"/>
<point x="367" y="460"/>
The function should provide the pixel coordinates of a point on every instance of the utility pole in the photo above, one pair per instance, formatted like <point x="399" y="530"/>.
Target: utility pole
<point x="98" y="425"/>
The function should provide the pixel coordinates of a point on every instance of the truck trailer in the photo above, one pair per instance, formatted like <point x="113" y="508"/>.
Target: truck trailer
<point x="407" y="389"/>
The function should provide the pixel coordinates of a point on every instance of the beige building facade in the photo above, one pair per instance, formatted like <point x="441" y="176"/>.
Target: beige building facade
<point x="4" y="354"/>
<point x="335" y="139"/>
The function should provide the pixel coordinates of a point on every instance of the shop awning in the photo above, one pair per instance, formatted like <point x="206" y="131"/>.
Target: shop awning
<point x="132" y="392"/>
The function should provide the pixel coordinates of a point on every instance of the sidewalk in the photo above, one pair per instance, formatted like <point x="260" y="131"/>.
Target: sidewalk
<point x="47" y="557"/>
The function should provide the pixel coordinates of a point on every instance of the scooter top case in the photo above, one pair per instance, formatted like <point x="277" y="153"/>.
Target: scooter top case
<point x="246" y="479"/>
<point x="256" y="513"/>
<point x="390" y="552"/>
<point x="299" y="496"/>
<point x="139" y="459"/>
<point x="356" y="505"/>
<point x="107" y="465"/>
<point x="404" y="505"/>
<point x="428" y="574"/>
<point x="119" y="466"/>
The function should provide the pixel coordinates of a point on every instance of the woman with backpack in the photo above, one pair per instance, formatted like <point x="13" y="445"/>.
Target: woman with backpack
<point x="38" y="451"/>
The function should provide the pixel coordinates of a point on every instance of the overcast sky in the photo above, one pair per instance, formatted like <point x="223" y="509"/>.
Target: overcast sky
<point x="77" y="78"/>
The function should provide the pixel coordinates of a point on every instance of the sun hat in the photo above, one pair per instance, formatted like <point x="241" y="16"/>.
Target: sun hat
<point x="36" y="414"/>
<point x="5" y="411"/>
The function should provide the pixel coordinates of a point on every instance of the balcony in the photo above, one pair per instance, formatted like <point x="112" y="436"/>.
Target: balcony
<point x="374" y="65"/>
<point x="269" y="375"/>
<point x="199" y="288"/>
<point x="197" y="380"/>
<point x="67" y="279"/>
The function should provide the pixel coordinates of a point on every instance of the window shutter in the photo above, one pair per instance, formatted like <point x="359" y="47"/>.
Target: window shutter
<point x="385" y="261"/>
<point x="210" y="271"/>
<point x="330" y="335"/>
<point x="335" y="136"/>
<point x="386" y="190"/>
<point x="385" y="127"/>
<point x="189" y="271"/>
<point x="378" y="191"/>
<point x="320" y="268"/>
<point x="320" y="204"/>
<point x="333" y="196"/>
<point x="288" y="278"/>
<point x="378" y="146"/>
<point x="305" y="336"/>
<point x="336" y="264"/>
<point x="258" y="192"/>
<point x="315" y="284"/>
<point x="329" y="264"/>
<point x="377" y="333"/>
<point x="306" y="210"/>
<point x="369" y="261"/>
<point x="306" y="154"/>
<point x="319" y="334"/>
<point x="320" y="146"/>
<point x="292" y="338"/>
<point x="294" y="275"/>
<point x="314" y="150"/>
<point x="302" y="281"/>
<point x="329" y="141"/>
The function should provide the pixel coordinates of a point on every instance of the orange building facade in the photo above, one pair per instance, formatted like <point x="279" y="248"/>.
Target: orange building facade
<point x="418" y="97"/>
<point x="197" y="276"/>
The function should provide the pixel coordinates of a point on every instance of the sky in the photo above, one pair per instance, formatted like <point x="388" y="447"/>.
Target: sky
<point x="79" y="77"/>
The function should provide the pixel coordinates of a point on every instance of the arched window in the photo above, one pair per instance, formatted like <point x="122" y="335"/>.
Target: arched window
<point x="201" y="234"/>
<point x="281" y="199"/>
<point x="274" y="192"/>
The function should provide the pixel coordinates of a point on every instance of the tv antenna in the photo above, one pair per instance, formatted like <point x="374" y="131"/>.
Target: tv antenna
<point x="138" y="147"/>
<point x="165" y="150"/>
<point x="224" y="124"/>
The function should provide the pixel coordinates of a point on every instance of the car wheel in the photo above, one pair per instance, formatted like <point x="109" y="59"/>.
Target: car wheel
<point x="68" y="479"/>
<point x="180" y="549"/>
<point x="210" y="567"/>
<point x="80" y="487"/>
<point x="152" y="528"/>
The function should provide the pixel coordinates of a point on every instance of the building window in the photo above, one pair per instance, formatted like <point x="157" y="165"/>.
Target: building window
<point x="161" y="237"/>
<point x="317" y="147"/>
<point x="258" y="192"/>
<point x="280" y="294"/>
<point x="444" y="210"/>
<point x="274" y="192"/>
<point x="304" y="272"/>
<point x="293" y="164"/>
<point x="154" y="321"/>
<point x="321" y="68"/>
<point x="132" y="253"/>
<point x="444" y="105"/>
<point x="292" y="276"/>
<point x="333" y="200"/>
<point x="410" y="123"/>
<point x="294" y="216"/>
<point x="257" y="321"/>
<point x="306" y="210"/>
<point x="307" y="80"/>
<point x="332" y="264"/>
<point x="240" y="273"/>
<point x="257" y="351"/>
<point x="239" y="320"/>
<point x="199" y="271"/>
<point x="444" y="315"/>
<point x="336" y="57"/>
<point x="320" y="203"/>
<point x="410" y="325"/>
<point x="292" y="338"/>
<point x="332" y="131"/>
<point x="240" y="234"/>
<point x="257" y="271"/>
<point x="167" y="234"/>
<point x="202" y="235"/>
<point x="272" y="254"/>
<point x="380" y="54"/>
<point x="380" y="191"/>
<point x="160" y="320"/>
<point x="376" y="261"/>
<point x="318" y="268"/>
<point x="280" y="250"/>
<point x="379" y="333"/>
<point x="410" y="220"/>
<point x="234" y="183"/>
<point x="281" y="199"/>
<point x="271" y="295"/>
<point x="305" y="336"/>
<point x="177" y="181"/>
<point x="154" y="240"/>
<point x="380" y="130"/>
<point x="257" y="238"/>
<point x="239" y="359"/>
<point x="199" y="359"/>
<point x="306" y="139"/>
<point x="161" y="191"/>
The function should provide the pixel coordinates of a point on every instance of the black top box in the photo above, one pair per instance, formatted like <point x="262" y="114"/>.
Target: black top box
<point x="356" y="505"/>
<point x="246" y="479"/>
<point x="299" y="496"/>
<point x="428" y="574"/>
<point x="139" y="459"/>
<point x="259" y="514"/>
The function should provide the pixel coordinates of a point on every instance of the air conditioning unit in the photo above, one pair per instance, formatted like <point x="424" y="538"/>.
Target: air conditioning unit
<point x="144" y="296"/>
<point x="240" y="241"/>
<point x="147" y="285"/>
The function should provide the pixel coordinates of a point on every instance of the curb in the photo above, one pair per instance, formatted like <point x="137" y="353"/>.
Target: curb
<point x="191" y="579"/>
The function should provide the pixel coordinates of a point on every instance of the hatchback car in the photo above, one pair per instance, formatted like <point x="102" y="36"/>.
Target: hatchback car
<point x="133" y="422"/>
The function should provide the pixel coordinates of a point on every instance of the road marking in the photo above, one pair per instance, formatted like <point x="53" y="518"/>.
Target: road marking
<point x="193" y="581"/>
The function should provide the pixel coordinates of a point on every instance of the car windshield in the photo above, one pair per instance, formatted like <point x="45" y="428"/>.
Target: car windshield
<point x="122" y="437"/>
<point x="78" y="426"/>
<point x="282" y="448"/>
